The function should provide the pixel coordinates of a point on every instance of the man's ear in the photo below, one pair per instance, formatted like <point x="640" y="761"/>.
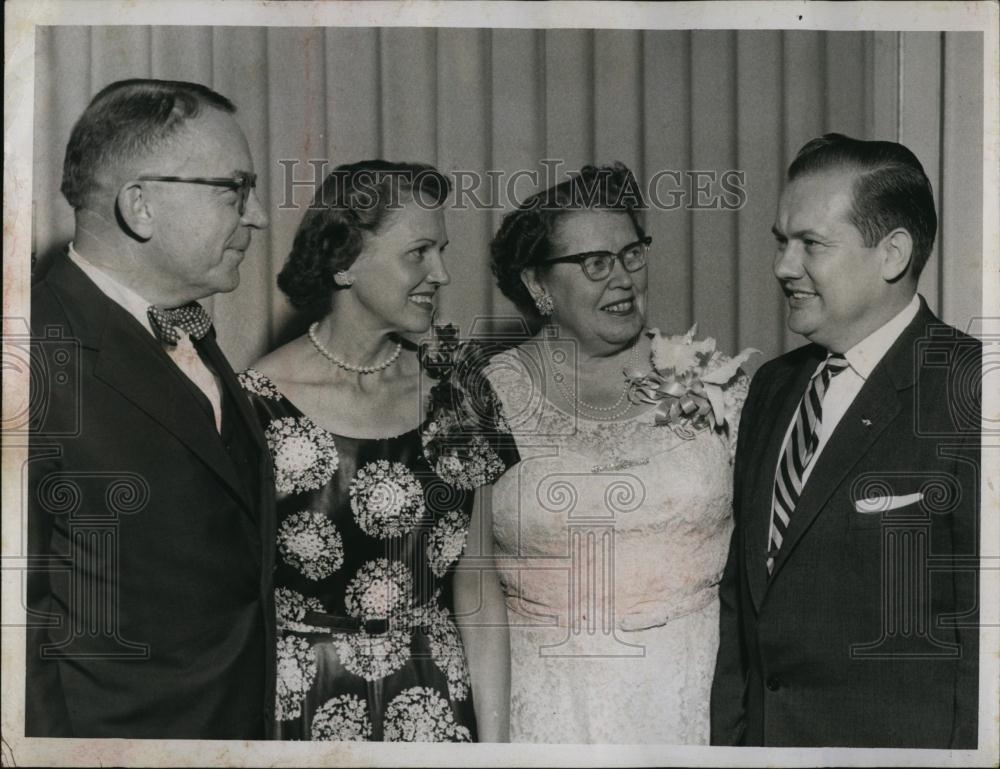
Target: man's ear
<point x="896" y="251"/>
<point x="134" y="211"/>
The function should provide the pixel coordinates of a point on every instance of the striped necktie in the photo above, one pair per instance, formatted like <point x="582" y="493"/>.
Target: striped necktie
<point x="799" y="452"/>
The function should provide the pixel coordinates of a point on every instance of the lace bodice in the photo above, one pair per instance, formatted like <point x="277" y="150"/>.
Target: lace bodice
<point x="610" y="538"/>
<point x="627" y="518"/>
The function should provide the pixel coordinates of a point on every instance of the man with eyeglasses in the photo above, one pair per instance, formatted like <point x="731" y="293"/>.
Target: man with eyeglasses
<point x="151" y="522"/>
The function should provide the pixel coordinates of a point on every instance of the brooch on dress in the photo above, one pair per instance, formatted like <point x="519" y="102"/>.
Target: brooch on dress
<point x="623" y="464"/>
<point x="464" y="414"/>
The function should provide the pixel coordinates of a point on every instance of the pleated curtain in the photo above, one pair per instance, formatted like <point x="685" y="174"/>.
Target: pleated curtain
<point x="509" y="100"/>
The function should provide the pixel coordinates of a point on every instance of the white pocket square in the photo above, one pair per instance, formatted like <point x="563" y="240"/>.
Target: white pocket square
<point x="884" y="504"/>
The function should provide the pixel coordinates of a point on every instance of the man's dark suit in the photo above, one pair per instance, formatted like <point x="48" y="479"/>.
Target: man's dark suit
<point x="151" y="538"/>
<point x="816" y="655"/>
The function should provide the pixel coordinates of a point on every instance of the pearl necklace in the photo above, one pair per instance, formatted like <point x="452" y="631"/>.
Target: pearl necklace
<point x="572" y="398"/>
<point x="347" y="366"/>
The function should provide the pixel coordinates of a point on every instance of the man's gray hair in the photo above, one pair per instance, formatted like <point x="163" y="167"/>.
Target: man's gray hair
<point x="125" y="121"/>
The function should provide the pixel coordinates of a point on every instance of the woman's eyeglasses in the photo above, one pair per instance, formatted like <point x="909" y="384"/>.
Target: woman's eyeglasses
<point x="240" y="182"/>
<point x="597" y="265"/>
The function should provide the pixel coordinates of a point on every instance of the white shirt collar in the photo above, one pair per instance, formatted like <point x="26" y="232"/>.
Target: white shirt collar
<point x="122" y="295"/>
<point x="867" y="353"/>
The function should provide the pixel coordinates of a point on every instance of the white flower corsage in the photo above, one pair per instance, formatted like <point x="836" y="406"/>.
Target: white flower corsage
<point x="688" y="383"/>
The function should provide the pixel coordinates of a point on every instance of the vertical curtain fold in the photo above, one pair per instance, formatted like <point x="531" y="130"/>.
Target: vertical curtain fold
<point x="665" y="102"/>
<point x="759" y="155"/>
<point x="667" y="128"/>
<point x="518" y="130"/>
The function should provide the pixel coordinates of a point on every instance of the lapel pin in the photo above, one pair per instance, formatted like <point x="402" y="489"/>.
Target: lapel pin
<point x="866" y="421"/>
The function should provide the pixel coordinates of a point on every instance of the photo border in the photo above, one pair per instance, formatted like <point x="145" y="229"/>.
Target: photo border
<point x="19" y="32"/>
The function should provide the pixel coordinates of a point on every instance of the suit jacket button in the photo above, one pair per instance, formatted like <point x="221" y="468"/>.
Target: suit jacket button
<point x="773" y="684"/>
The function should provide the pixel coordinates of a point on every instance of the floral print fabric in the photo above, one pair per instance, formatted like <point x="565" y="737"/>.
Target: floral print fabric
<point x="369" y="531"/>
<point x="305" y="457"/>
<point x="342" y="718"/>
<point x="309" y="542"/>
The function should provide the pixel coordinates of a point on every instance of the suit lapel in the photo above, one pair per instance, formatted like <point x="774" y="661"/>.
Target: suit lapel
<point x="130" y="361"/>
<point x="210" y="348"/>
<point x="264" y="493"/>
<point x="244" y="414"/>
<point x="878" y="404"/>
<point x="786" y="393"/>
<point x="875" y="406"/>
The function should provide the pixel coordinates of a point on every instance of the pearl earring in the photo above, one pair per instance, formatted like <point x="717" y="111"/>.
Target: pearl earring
<point x="343" y="278"/>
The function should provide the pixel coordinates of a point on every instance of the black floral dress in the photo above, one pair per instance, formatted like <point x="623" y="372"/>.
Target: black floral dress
<point x="369" y="531"/>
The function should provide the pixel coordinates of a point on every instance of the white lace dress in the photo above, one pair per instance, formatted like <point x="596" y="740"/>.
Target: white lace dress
<point x="611" y="538"/>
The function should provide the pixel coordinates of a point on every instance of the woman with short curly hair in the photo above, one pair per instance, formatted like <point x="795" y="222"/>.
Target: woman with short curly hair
<point x="611" y="533"/>
<point x="353" y="201"/>
<point x="527" y="235"/>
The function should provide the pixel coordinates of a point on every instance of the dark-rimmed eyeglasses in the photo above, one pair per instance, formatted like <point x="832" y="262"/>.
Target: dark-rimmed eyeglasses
<point x="597" y="265"/>
<point x="241" y="182"/>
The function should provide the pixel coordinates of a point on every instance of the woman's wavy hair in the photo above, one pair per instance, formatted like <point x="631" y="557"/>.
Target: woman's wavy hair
<point x="355" y="199"/>
<point x="526" y="235"/>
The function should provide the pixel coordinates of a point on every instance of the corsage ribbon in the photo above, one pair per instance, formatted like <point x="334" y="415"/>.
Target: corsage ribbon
<point x="694" y="396"/>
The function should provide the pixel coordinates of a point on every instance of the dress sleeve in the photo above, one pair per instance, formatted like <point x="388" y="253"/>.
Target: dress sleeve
<point x="496" y="428"/>
<point x="735" y="396"/>
<point x="467" y="438"/>
<point x="264" y="397"/>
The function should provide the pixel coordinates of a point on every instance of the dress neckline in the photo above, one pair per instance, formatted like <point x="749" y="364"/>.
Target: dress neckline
<point x="290" y="404"/>
<point x="595" y="420"/>
<point x="578" y="414"/>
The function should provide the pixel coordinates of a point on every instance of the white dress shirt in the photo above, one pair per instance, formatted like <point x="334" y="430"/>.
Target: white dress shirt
<point x="844" y="388"/>
<point x="183" y="354"/>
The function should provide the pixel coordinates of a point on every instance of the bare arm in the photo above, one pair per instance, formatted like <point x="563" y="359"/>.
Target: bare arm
<point x="482" y="620"/>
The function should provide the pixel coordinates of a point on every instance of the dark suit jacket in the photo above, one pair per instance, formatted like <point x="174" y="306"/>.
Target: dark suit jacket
<point x="151" y="536"/>
<point x="865" y="634"/>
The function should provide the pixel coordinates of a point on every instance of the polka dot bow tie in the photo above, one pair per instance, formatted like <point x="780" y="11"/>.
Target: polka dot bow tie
<point x="191" y="319"/>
